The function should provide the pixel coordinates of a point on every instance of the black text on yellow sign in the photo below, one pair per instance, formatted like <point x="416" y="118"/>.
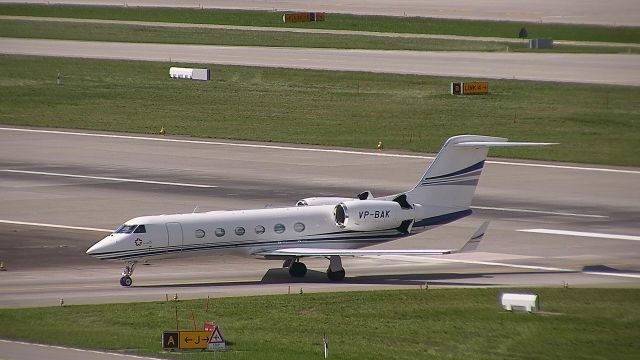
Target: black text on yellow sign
<point x="476" y="87"/>
<point x="174" y="340"/>
<point x="194" y="339"/>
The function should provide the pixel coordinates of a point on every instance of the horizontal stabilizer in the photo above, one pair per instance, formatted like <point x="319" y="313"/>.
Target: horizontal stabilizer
<point x="480" y="144"/>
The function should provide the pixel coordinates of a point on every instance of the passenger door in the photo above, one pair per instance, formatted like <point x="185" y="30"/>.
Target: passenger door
<point x="175" y="239"/>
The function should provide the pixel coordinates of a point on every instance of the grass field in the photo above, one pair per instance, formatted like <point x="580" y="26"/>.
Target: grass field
<point x="152" y="34"/>
<point x="336" y="21"/>
<point x="593" y="123"/>
<point x="407" y="324"/>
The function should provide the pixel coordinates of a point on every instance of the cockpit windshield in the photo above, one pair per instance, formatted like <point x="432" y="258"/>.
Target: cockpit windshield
<point x="125" y="229"/>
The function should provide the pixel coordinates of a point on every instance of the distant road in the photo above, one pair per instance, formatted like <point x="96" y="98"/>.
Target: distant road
<point x="581" y="68"/>
<point x="611" y="12"/>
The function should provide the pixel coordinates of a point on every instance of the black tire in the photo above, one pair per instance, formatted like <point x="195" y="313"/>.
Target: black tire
<point x="297" y="269"/>
<point x="126" y="281"/>
<point x="336" y="275"/>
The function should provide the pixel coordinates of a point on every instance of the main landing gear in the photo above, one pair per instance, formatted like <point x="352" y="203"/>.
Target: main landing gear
<point x="297" y="269"/>
<point x="126" y="280"/>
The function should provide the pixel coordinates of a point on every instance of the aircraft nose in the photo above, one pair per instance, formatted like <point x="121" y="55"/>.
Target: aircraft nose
<point x="98" y="247"/>
<point x="94" y="249"/>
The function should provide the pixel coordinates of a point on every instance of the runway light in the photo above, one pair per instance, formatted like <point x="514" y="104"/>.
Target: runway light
<point x="61" y="301"/>
<point x="380" y="146"/>
<point x="163" y="131"/>
<point x="301" y="292"/>
<point x="2" y="266"/>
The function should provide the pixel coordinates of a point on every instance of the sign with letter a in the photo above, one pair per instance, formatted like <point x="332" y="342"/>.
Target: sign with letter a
<point x="170" y="340"/>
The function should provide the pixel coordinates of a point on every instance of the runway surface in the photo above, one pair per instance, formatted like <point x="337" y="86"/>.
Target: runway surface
<point x="612" y="13"/>
<point x="17" y="350"/>
<point x="581" y="68"/>
<point x="92" y="182"/>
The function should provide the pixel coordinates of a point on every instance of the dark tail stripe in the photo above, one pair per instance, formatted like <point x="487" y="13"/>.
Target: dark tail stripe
<point x="473" y="167"/>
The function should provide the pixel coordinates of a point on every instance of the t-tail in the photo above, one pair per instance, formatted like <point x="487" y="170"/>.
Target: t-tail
<point x="446" y="189"/>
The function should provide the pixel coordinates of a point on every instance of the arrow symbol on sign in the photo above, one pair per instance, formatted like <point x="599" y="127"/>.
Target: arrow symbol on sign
<point x="187" y="339"/>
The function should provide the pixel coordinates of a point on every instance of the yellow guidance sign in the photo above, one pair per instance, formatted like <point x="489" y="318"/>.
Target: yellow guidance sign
<point x="477" y="87"/>
<point x="470" y="88"/>
<point x="194" y="339"/>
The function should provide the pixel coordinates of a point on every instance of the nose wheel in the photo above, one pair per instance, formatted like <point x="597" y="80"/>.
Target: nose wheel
<point x="126" y="280"/>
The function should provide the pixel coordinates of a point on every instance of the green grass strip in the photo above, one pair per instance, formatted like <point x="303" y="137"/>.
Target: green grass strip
<point x="593" y="123"/>
<point x="168" y="35"/>
<point x="407" y="324"/>
<point x="336" y="21"/>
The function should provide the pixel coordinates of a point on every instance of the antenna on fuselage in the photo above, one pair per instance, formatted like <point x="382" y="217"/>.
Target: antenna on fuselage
<point x="195" y="209"/>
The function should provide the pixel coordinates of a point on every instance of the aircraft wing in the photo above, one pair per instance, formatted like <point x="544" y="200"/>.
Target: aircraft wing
<point x="470" y="245"/>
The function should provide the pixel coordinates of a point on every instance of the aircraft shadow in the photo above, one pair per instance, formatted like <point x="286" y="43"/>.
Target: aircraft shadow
<point x="281" y="276"/>
<point x="607" y="269"/>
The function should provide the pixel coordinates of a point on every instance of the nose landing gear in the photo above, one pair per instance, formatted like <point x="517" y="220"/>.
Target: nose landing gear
<point x="126" y="280"/>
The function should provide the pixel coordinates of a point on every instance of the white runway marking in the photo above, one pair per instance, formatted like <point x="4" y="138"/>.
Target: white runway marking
<point x="516" y="266"/>
<point x="110" y="354"/>
<point x="54" y="226"/>
<point x="539" y="212"/>
<point x="107" y="178"/>
<point x="293" y="148"/>
<point x="582" y="234"/>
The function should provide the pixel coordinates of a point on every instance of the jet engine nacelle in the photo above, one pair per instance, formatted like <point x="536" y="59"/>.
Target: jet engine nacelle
<point x="369" y="215"/>
<point x="315" y="201"/>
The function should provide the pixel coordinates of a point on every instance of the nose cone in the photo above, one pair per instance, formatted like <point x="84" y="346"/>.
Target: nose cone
<point x="100" y="247"/>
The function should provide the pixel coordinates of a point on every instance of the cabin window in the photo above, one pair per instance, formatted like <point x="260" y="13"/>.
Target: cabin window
<point x="298" y="227"/>
<point x="140" y="230"/>
<point x="260" y="229"/>
<point x="125" y="229"/>
<point x="279" y="228"/>
<point x="200" y="233"/>
<point x="239" y="231"/>
<point x="219" y="232"/>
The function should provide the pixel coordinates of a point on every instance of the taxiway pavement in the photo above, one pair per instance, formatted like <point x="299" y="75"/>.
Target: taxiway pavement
<point x="92" y="182"/>
<point x="611" y="13"/>
<point x="618" y="69"/>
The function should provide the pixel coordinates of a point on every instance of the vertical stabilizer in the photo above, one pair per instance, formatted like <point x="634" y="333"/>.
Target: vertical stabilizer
<point x="448" y="185"/>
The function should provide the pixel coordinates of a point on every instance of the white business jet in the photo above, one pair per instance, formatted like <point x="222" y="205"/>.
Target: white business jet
<point x="328" y="227"/>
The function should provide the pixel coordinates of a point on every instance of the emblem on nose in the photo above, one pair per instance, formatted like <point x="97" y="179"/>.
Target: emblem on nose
<point x="138" y="242"/>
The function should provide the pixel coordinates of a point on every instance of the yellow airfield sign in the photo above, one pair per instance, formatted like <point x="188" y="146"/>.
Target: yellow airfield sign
<point x="470" y="88"/>
<point x="476" y="87"/>
<point x="194" y="339"/>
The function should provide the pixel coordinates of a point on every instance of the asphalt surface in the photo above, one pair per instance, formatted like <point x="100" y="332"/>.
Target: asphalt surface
<point x="39" y="183"/>
<point x="582" y="68"/>
<point x="311" y="31"/>
<point x="612" y="12"/>
<point x="17" y="350"/>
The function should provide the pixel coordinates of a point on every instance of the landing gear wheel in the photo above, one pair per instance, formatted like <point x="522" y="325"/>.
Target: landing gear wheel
<point x="297" y="269"/>
<point x="335" y="275"/>
<point x="126" y="281"/>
